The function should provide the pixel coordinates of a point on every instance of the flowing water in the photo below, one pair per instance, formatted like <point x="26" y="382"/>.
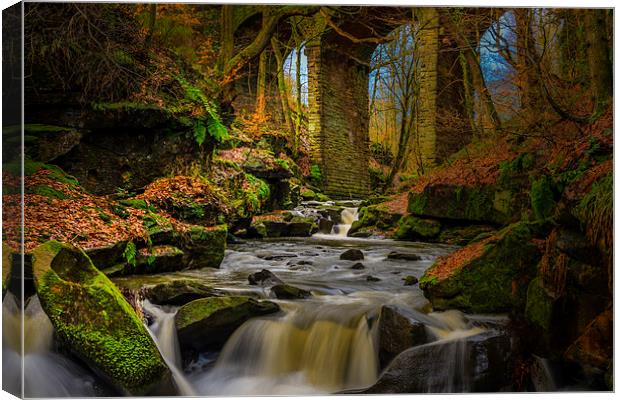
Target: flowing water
<point x="46" y="373"/>
<point x="323" y="344"/>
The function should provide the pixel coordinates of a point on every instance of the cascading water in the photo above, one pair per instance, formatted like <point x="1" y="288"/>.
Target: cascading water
<point x="310" y="349"/>
<point x="347" y="216"/>
<point x="46" y="374"/>
<point x="164" y="334"/>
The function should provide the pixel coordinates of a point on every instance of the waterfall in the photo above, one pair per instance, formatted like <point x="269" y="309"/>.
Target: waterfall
<point x="164" y="334"/>
<point x="46" y="374"/>
<point x="347" y="216"/>
<point x="310" y="349"/>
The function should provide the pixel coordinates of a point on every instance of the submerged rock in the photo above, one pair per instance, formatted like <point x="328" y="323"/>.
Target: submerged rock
<point x="479" y="363"/>
<point x="410" y="280"/>
<point x="91" y="317"/>
<point x="352" y="255"/>
<point x="396" y="255"/>
<point x="264" y="278"/>
<point x="371" y="278"/>
<point x="285" y="291"/>
<point x="207" y="323"/>
<point x="358" y="266"/>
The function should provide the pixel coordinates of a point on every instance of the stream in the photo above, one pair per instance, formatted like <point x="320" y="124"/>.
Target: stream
<point x="324" y="344"/>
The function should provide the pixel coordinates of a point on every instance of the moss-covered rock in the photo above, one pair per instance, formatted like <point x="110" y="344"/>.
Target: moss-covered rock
<point x="7" y="257"/>
<point x="205" y="246"/>
<point x="282" y="225"/>
<point x="412" y="228"/>
<point x="166" y="288"/>
<point x="485" y="276"/>
<point x="208" y="323"/>
<point x="492" y="203"/>
<point x="92" y="319"/>
<point x="374" y="219"/>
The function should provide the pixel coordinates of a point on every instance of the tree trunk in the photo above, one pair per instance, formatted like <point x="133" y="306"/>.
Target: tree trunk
<point x="151" y="25"/>
<point x="598" y="55"/>
<point x="282" y="89"/>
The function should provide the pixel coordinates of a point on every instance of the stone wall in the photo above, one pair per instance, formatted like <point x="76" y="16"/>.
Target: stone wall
<point x="338" y="120"/>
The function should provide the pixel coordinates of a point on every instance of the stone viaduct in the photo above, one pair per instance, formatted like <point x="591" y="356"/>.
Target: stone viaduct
<point x="339" y="52"/>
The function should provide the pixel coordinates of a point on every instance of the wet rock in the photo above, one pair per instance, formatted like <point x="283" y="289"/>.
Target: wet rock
<point x="358" y="266"/>
<point x="47" y="142"/>
<point x="277" y="256"/>
<point x="410" y="280"/>
<point x="285" y="291"/>
<point x="300" y="262"/>
<point x="352" y="255"/>
<point x="479" y="363"/>
<point x="371" y="278"/>
<point x="325" y="226"/>
<point x="93" y="319"/>
<point x="575" y="245"/>
<point x="412" y="228"/>
<point x="396" y="255"/>
<point x="207" y="323"/>
<point x="361" y="235"/>
<point x="373" y="219"/>
<point x="264" y="278"/>
<point x="166" y="289"/>
<point x="486" y="276"/>
<point x="161" y="258"/>
<point x="398" y="331"/>
<point x="300" y="229"/>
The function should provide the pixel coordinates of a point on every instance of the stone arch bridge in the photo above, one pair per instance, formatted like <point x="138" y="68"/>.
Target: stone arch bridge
<point x="339" y="46"/>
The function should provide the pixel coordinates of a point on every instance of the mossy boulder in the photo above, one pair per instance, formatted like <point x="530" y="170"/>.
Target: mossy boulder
<point x="399" y="329"/>
<point x="157" y="259"/>
<point x="107" y="255"/>
<point x="414" y="228"/>
<point x="166" y="288"/>
<point x="47" y="142"/>
<point x="204" y="247"/>
<point x="92" y="318"/>
<point x="207" y="323"/>
<point x="279" y="226"/>
<point x="374" y="219"/>
<point x="7" y="257"/>
<point x="491" y="203"/>
<point x="485" y="276"/>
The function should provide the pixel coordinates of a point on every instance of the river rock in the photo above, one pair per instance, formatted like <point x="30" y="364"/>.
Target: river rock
<point x="410" y="280"/>
<point x="484" y="277"/>
<point x="398" y="331"/>
<point x="264" y="278"/>
<point x="358" y="266"/>
<point x="396" y="255"/>
<point x="479" y="363"/>
<point x="91" y="318"/>
<point x="325" y="226"/>
<point x="373" y="219"/>
<point x="352" y="255"/>
<point x="371" y="278"/>
<point x="207" y="323"/>
<point x="166" y="289"/>
<point x="413" y="228"/>
<point x="285" y="291"/>
<point x="205" y="247"/>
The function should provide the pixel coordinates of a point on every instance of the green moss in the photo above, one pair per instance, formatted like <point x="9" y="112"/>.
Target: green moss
<point x="120" y="210"/>
<point x="417" y="203"/>
<point x="542" y="197"/>
<point x="30" y="167"/>
<point x="522" y="163"/>
<point x="43" y="190"/>
<point x="315" y="173"/>
<point x="200" y="309"/>
<point x="485" y="282"/>
<point x="137" y="203"/>
<point x="539" y="306"/>
<point x="94" y="320"/>
<point x="410" y="227"/>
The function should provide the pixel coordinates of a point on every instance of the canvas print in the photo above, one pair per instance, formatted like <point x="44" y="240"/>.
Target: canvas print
<point x="229" y="199"/>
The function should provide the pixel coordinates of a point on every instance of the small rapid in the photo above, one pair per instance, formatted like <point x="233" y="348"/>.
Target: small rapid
<point x="347" y="217"/>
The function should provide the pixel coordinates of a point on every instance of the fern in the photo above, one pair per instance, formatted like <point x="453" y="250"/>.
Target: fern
<point x="130" y="253"/>
<point x="200" y="132"/>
